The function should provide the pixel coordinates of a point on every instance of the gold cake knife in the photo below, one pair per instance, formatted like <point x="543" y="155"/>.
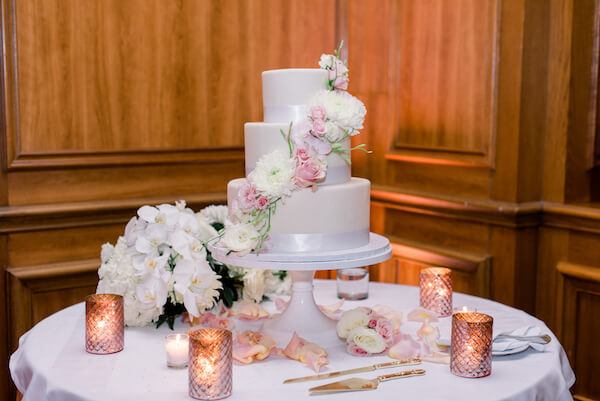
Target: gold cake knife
<point x="358" y="384"/>
<point x="404" y="362"/>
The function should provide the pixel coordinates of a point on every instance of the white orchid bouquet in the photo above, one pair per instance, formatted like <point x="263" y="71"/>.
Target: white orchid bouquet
<point x="334" y="116"/>
<point x="162" y="268"/>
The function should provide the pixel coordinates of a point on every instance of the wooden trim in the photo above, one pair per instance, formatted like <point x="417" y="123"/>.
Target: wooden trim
<point x="437" y="158"/>
<point x="82" y="214"/>
<point x="587" y="273"/>
<point x="24" y="161"/>
<point x="468" y="262"/>
<point x="57" y="269"/>
<point x="572" y="217"/>
<point x="515" y="215"/>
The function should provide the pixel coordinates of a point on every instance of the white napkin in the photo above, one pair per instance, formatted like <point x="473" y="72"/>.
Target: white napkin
<point x="505" y="344"/>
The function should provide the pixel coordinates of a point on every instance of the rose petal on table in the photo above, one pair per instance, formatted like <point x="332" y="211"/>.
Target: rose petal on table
<point x="420" y="314"/>
<point x="406" y="347"/>
<point x="437" y="357"/>
<point x="304" y="351"/>
<point x="249" y="310"/>
<point x="390" y="314"/>
<point x="212" y="321"/>
<point x="281" y="304"/>
<point x="331" y="308"/>
<point x="252" y="345"/>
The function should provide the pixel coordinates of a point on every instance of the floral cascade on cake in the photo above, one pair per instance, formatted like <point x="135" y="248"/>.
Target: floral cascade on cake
<point x="303" y="146"/>
<point x="162" y="268"/>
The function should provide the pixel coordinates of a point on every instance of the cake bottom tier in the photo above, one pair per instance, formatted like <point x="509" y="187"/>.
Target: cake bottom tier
<point x="335" y="217"/>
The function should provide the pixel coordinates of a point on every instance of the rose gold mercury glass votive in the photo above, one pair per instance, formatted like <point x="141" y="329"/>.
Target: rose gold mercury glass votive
<point x="104" y="323"/>
<point x="210" y="364"/>
<point x="471" y="346"/>
<point x="435" y="284"/>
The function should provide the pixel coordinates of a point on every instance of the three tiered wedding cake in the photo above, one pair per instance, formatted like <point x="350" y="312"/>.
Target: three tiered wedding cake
<point x="298" y="195"/>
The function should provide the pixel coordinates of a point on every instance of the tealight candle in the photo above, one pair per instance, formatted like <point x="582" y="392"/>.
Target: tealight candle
<point x="435" y="284"/>
<point x="104" y="323"/>
<point x="209" y="367"/>
<point x="177" y="346"/>
<point x="471" y="344"/>
<point x="465" y="308"/>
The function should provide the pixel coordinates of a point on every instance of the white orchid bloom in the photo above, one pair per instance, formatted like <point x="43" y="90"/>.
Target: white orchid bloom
<point x="151" y="293"/>
<point x="133" y="228"/>
<point x="188" y="223"/>
<point x="146" y="265"/>
<point x="151" y="238"/>
<point x="196" y="283"/>
<point x="165" y="213"/>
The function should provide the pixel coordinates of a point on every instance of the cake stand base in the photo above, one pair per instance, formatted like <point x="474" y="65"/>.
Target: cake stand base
<point x="302" y="315"/>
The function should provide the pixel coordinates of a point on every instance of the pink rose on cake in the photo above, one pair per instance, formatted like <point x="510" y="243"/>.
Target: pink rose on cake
<point x="319" y="128"/>
<point x="309" y="172"/>
<point x="317" y="113"/>
<point x="247" y="197"/>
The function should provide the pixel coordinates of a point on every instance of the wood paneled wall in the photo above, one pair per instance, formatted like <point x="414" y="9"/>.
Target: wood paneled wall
<point x="483" y="116"/>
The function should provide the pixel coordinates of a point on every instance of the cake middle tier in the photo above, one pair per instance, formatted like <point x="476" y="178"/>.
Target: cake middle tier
<point x="335" y="217"/>
<point x="263" y="138"/>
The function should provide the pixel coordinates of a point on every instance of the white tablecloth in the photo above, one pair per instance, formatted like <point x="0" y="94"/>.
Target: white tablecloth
<point x="51" y="363"/>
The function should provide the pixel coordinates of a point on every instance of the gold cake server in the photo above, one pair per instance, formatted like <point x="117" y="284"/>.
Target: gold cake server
<point x="404" y="362"/>
<point x="359" y="384"/>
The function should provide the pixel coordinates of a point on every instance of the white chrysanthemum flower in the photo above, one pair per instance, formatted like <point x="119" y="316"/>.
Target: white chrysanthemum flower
<point x="342" y="109"/>
<point x="240" y="238"/>
<point x="327" y="61"/>
<point x="350" y="320"/>
<point x="273" y="175"/>
<point x="367" y="339"/>
<point x="215" y="214"/>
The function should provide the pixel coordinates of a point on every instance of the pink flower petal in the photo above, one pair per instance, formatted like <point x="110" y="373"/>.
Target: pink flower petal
<point x="304" y="351"/>
<point x="420" y="314"/>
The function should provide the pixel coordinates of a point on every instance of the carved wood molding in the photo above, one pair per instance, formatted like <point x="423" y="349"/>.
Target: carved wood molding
<point x="51" y="270"/>
<point x="475" y="264"/>
<point x="581" y="272"/>
<point x="515" y="215"/>
<point x="572" y="217"/>
<point x="82" y="214"/>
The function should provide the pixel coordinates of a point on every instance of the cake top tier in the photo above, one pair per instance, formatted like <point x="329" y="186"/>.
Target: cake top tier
<point x="286" y="93"/>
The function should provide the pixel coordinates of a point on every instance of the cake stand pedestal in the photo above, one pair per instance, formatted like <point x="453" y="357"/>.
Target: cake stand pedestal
<point x="302" y="315"/>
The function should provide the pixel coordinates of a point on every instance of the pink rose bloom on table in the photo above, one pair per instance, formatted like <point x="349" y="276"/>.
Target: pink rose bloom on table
<point x="365" y="332"/>
<point x="309" y="172"/>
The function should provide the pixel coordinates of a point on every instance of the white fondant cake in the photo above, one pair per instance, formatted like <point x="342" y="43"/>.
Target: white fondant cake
<point x="335" y="216"/>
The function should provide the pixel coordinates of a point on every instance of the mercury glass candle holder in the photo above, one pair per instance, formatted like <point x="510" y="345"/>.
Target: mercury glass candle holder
<point x="435" y="284"/>
<point x="104" y="323"/>
<point x="210" y="364"/>
<point x="471" y="346"/>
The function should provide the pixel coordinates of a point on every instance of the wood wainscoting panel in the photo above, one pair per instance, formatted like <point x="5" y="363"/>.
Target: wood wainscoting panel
<point x="579" y="303"/>
<point x="470" y="271"/>
<point x="446" y="55"/>
<point x="139" y="75"/>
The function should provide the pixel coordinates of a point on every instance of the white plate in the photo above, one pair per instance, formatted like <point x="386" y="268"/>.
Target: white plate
<point x="511" y="351"/>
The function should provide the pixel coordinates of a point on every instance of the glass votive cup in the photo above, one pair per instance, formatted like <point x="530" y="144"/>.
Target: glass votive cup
<point x="435" y="287"/>
<point x="471" y="344"/>
<point x="353" y="284"/>
<point x="210" y="364"/>
<point x="104" y="323"/>
<point x="177" y="347"/>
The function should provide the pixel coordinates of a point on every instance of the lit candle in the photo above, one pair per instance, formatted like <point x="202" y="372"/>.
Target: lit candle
<point x="177" y="346"/>
<point x="104" y="323"/>
<point x="471" y="344"/>
<point x="210" y="364"/>
<point x="435" y="285"/>
<point x="465" y="308"/>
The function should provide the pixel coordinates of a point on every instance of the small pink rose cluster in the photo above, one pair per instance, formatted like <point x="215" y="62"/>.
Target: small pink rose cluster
<point x="249" y="199"/>
<point x="310" y="148"/>
<point x="337" y="72"/>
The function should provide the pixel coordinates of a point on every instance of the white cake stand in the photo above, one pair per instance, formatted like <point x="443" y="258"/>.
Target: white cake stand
<point x="302" y="314"/>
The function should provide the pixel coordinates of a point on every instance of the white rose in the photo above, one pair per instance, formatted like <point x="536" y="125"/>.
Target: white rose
<point x="367" y="339"/>
<point x="240" y="238"/>
<point x="275" y="285"/>
<point x="326" y="62"/>
<point x="351" y="319"/>
<point x="254" y="284"/>
<point x="334" y="132"/>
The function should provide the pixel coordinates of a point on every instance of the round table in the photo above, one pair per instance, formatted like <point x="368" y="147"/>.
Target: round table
<point x="51" y="362"/>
